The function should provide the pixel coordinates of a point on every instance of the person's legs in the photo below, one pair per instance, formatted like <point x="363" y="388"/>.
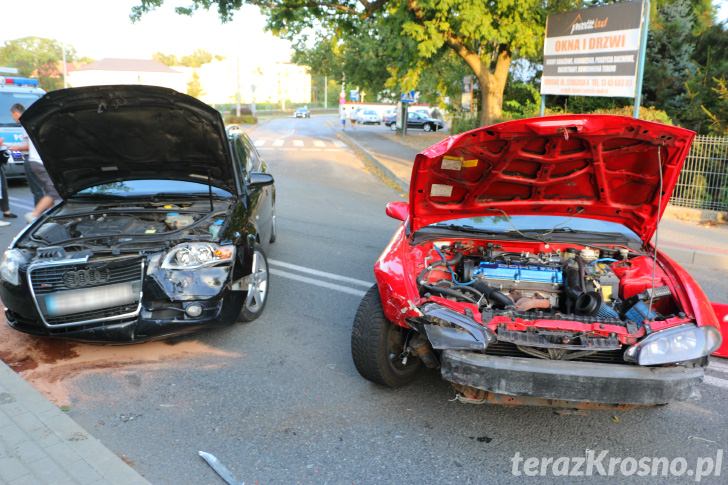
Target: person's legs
<point x="49" y="191"/>
<point x="5" y="199"/>
<point x="33" y="183"/>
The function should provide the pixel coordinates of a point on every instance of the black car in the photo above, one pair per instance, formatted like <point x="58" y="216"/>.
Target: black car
<point x="163" y="223"/>
<point x="421" y="121"/>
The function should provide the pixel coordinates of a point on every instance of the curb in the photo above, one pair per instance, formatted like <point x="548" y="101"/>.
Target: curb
<point x="694" y="257"/>
<point x="61" y="451"/>
<point x="378" y="168"/>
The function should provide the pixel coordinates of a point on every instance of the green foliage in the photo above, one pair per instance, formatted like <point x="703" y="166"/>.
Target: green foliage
<point x="521" y="100"/>
<point x="707" y="111"/>
<point x="38" y="57"/>
<point x="194" y="87"/>
<point x="243" y="119"/>
<point x="464" y="122"/>
<point x="166" y="59"/>
<point x="669" y="58"/>
<point x="196" y="59"/>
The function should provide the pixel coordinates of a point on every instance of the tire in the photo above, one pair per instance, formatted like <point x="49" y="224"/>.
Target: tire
<point x="393" y="127"/>
<point x="257" y="295"/>
<point x="376" y="345"/>
<point x="427" y="127"/>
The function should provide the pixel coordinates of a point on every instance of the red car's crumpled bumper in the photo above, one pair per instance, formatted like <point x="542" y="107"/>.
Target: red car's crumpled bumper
<point x="570" y="381"/>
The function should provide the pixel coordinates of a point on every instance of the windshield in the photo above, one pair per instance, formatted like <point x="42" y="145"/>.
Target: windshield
<point x="543" y="225"/>
<point x="7" y="99"/>
<point x="148" y="188"/>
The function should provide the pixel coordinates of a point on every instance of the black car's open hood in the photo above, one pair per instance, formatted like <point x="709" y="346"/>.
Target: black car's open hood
<point x="102" y="134"/>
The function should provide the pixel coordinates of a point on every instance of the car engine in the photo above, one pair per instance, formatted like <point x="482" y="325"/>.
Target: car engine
<point x="577" y="283"/>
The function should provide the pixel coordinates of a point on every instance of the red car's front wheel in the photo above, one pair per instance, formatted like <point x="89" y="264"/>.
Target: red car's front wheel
<point x="378" y="346"/>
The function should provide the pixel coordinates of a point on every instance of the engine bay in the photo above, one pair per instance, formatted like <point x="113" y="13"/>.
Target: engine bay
<point x="75" y="221"/>
<point x="613" y="285"/>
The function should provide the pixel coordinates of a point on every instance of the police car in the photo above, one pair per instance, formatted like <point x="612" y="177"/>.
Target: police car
<point x="15" y="89"/>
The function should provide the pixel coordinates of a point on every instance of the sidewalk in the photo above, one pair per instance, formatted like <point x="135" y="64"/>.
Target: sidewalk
<point x="686" y="242"/>
<point x="39" y="444"/>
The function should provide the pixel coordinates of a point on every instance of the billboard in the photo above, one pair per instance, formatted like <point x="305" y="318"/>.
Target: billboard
<point x="593" y="52"/>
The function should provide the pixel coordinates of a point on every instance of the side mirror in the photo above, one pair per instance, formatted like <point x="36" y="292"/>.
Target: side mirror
<point x="397" y="210"/>
<point x="260" y="179"/>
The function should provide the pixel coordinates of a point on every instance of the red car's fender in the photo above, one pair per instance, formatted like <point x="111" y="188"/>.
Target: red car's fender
<point x="397" y="288"/>
<point x="721" y="311"/>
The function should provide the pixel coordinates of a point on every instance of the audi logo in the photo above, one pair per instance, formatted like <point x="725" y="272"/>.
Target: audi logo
<point x="86" y="277"/>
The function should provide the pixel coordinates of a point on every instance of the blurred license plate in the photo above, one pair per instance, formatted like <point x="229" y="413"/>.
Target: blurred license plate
<point x="88" y="299"/>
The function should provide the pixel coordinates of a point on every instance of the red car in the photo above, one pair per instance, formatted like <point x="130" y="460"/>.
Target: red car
<point x="524" y="270"/>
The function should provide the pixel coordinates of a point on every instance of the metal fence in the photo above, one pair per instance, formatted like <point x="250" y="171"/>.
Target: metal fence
<point x="703" y="182"/>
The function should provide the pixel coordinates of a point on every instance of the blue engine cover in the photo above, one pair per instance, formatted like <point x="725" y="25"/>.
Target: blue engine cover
<point x="530" y="273"/>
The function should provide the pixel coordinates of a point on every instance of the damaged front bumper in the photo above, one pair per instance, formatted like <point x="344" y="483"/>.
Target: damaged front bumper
<point x="159" y="303"/>
<point x="570" y="381"/>
<point x="464" y="361"/>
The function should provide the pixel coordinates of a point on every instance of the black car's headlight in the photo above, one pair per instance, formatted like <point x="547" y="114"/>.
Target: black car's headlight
<point x="13" y="259"/>
<point x="197" y="255"/>
<point x="677" y="344"/>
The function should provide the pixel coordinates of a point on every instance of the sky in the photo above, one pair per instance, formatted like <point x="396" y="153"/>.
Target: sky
<point x="101" y="28"/>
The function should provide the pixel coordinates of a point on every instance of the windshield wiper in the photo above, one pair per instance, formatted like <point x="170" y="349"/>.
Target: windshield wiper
<point x="465" y="228"/>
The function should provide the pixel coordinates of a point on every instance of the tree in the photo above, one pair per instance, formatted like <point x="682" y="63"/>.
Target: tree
<point x="166" y="59"/>
<point x="38" y="57"/>
<point x="194" y="87"/>
<point x="669" y="58"/>
<point x="484" y="34"/>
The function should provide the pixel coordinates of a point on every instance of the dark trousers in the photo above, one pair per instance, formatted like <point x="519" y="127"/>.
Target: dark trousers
<point x="5" y="200"/>
<point x="33" y="184"/>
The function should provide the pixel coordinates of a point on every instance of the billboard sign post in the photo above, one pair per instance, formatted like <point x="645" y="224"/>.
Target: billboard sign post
<point x="597" y="51"/>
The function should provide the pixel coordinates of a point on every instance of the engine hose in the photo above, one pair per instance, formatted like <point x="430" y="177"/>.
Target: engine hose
<point x="577" y="300"/>
<point x="447" y="292"/>
<point x="495" y="297"/>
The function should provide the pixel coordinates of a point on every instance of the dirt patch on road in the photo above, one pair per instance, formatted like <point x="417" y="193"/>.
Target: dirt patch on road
<point x="51" y="365"/>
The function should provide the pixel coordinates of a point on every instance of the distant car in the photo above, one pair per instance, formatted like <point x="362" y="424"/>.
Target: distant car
<point x="390" y="117"/>
<point x="302" y="113"/>
<point x="162" y="228"/>
<point x="420" y="121"/>
<point x="368" y="117"/>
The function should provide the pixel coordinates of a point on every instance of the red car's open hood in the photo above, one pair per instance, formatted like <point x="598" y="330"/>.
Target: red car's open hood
<point x="596" y="166"/>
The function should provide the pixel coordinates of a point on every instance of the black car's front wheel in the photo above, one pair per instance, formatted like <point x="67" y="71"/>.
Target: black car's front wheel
<point x="257" y="294"/>
<point x="427" y="127"/>
<point x="378" y="346"/>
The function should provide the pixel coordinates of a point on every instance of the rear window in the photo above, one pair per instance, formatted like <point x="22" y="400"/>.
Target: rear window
<point x="7" y="99"/>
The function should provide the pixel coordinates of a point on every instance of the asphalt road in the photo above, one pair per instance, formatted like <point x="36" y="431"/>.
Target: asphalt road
<point x="285" y="404"/>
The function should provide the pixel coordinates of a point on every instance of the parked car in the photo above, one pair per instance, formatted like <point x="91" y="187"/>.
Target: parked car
<point x="302" y="112"/>
<point x="390" y="117"/>
<point x="420" y="121"/>
<point x="163" y="224"/>
<point x="368" y="117"/>
<point x="15" y="89"/>
<point x="524" y="270"/>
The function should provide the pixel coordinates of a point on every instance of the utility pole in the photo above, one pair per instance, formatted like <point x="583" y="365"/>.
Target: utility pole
<point x="641" y="61"/>
<point x="326" y="92"/>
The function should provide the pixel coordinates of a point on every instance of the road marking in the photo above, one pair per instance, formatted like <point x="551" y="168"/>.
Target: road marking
<point x="718" y="366"/>
<point x="297" y="143"/>
<point x="323" y="284"/>
<point x="716" y="381"/>
<point x="278" y="143"/>
<point x="259" y="143"/>
<point x="324" y="274"/>
<point x="319" y="143"/>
